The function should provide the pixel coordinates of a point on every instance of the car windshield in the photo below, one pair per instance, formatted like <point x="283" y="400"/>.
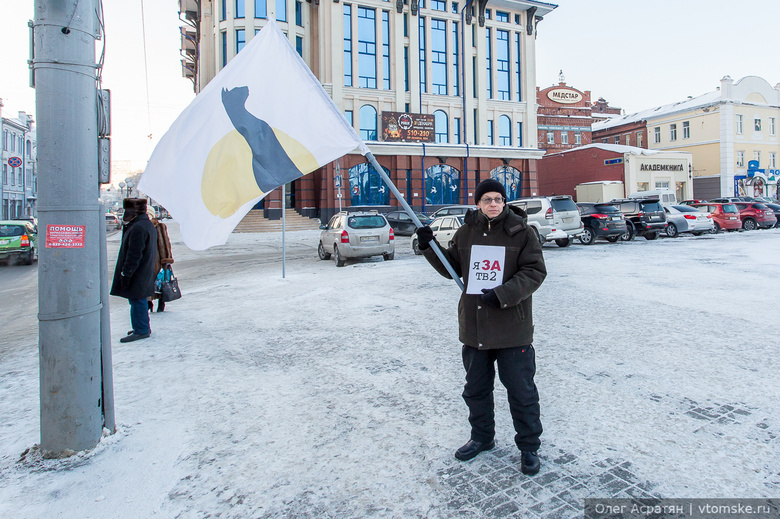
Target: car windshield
<point x="760" y="206"/>
<point x="605" y="208"/>
<point x="651" y="206"/>
<point x="563" y="204"/>
<point x="11" y="230"/>
<point x="686" y="209"/>
<point x="366" y="222"/>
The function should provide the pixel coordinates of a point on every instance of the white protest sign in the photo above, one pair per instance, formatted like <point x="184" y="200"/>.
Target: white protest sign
<point x="486" y="269"/>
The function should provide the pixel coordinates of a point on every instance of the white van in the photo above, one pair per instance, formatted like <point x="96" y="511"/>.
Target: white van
<point x="664" y="196"/>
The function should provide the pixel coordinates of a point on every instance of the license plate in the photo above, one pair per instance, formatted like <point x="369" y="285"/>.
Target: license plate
<point x="567" y="220"/>
<point x="5" y="242"/>
<point x="369" y="239"/>
<point x="655" y="217"/>
<point x="732" y="217"/>
<point x="615" y="218"/>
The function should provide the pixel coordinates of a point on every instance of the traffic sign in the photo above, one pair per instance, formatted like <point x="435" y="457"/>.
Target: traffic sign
<point x="15" y="162"/>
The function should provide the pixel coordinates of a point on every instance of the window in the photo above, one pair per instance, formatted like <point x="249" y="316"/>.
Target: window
<point x="662" y="184"/>
<point x="347" y="45"/>
<point x="299" y="45"/>
<point x="439" y="57"/>
<point x="455" y="61"/>
<point x="456" y="129"/>
<point x="223" y="10"/>
<point x="366" y="186"/>
<point x="490" y="132"/>
<point x="657" y="135"/>
<point x="564" y="137"/>
<point x="442" y="186"/>
<point x="772" y="159"/>
<point x="406" y="69"/>
<point x="438" y="5"/>
<point x="348" y="115"/>
<point x="517" y="66"/>
<point x="504" y="131"/>
<point x="441" y="126"/>
<point x="672" y="132"/>
<point x="502" y="16"/>
<point x="386" y="50"/>
<point x="639" y="139"/>
<point x="772" y="129"/>
<point x="757" y="156"/>
<point x="240" y="40"/>
<point x="261" y="10"/>
<point x="489" y="59"/>
<point x="299" y="14"/>
<point x="739" y="124"/>
<point x="423" y="79"/>
<point x="224" y="49"/>
<point x="240" y="11"/>
<point x="617" y="139"/>
<point x="740" y="159"/>
<point x="578" y="139"/>
<point x="368" y="123"/>
<point x="550" y="138"/>
<point x="502" y="64"/>
<point x="757" y="124"/>
<point x="455" y="7"/>
<point x="627" y="139"/>
<point x="487" y="14"/>
<point x="686" y="130"/>
<point x="366" y="48"/>
<point x="520" y="135"/>
<point x="281" y="10"/>
<point x="5" y="140"/>
<point x="5" y="174"/>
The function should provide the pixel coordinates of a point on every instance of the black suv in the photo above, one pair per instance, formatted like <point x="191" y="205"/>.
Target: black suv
<point x="601" y="221"/>
<point x="644" y="217"/>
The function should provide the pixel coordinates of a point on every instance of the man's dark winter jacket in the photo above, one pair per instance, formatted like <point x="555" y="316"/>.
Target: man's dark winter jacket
<point x="480" y="325"/>
<point x="135" y="263"/>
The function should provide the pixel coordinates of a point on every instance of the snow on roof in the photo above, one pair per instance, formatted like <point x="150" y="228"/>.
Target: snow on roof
<point x="619" y="148"/>
<point x="703" y="100"/>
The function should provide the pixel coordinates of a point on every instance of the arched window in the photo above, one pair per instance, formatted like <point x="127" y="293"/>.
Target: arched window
<point x="441" y="125"/>
<point x="366" y="186"/>
<point x="368" y="123"/>
<point x="504" y="131"/>
<point x="442" y="185"/>
<point x="510" y="178"/>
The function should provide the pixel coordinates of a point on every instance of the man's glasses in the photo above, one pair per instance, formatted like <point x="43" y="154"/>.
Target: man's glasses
<point x="487" y="200"/>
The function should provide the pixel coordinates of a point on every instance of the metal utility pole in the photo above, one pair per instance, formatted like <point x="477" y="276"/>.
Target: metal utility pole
<point x="69" y="269"/>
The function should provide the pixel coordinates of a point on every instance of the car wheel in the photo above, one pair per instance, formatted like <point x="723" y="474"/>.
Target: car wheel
<point x="671" y="231"/>
<point x="538" y="236"/>
<point x="630" y="232"/>
<point x="563" y="242"/>
<point x="388" y="256"/>
<point x="588" y="236"/>
<point x="416" y="247"/>
<point x="340" y="261"/>
<point x="697" y="233"/>
<point x="613" y="239"/>
<point x="322" y="253"/>
<point x="651" y="235"/>
<point x="749" y="224"/>
<point x="28" y="259"/>
<point x="716" y="229"/>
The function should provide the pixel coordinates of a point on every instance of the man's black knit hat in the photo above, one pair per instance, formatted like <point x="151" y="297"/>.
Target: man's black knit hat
<point x="487" y="186"/>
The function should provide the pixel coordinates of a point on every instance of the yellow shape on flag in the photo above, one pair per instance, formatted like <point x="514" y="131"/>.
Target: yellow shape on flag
<point x="228" y="180"/>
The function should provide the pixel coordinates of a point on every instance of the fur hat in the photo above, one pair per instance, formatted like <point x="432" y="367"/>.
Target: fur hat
<point x="136" y="204"/>
<point x="487" y="186"/>
<point x="151" y="212"/>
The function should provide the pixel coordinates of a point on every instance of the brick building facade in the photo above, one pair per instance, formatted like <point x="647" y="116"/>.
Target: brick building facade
<point x="563" y="117"/>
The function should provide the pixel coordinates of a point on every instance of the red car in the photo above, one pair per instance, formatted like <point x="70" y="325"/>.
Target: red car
<point x="755" y="215"/>
<point x="724" y="216"/>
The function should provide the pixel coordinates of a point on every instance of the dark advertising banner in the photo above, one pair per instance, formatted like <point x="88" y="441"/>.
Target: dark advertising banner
<point x="403" y="127"/>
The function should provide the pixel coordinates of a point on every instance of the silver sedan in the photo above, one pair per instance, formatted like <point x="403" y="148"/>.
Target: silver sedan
<point x="684" y="218"/>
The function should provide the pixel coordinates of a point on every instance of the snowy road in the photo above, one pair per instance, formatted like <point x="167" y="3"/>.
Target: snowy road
<point x="335" y="392"/>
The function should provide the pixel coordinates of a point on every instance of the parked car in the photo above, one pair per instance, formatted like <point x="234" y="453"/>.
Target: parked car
<point x="726" y="200"/>
<point x="402" y="223"/>
<point x="693" y="201"/>
<point x="452" y="209"/>
<point x="664" y="196"/>
<point x="113" y="222"/>
<point x="18" y="240"/>
<point x="756" y="215"/>
<point x="552" y="217"/>
<point x="724" y="216"/>
<point x="356" y="235"/>
<point x="644" y="217"/>
<point x="601" y="221"/>
<point x="776" y="209"/>
<point x="684" y="218"/>
<point x="443" y="229"/>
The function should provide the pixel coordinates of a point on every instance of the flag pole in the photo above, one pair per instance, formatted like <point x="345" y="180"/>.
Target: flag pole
<point x="379" y="169"/>
<point x="284" y="248"/>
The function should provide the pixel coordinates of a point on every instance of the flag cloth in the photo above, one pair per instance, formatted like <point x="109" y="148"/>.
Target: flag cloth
<point x="263" y="121"/>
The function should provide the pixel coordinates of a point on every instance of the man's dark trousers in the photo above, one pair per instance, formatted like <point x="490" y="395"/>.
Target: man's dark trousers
<point x="516" y="370"/>
<point x="139" y="316"/>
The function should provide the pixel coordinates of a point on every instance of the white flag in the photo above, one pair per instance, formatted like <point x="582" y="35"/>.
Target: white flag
<point x="263" y="121"/>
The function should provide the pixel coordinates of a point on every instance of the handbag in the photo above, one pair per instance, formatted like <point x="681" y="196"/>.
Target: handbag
<point x="169" y="288"/>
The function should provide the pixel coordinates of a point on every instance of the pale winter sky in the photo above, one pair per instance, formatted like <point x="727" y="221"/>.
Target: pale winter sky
<point x="634" y="54"/>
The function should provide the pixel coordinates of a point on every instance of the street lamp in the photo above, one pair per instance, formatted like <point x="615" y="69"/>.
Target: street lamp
<point x="121" y="189"/>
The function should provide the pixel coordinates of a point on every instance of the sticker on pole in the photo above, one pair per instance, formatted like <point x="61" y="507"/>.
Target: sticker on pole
<point x="65" y="236"/>
<point x="486" y="269"/>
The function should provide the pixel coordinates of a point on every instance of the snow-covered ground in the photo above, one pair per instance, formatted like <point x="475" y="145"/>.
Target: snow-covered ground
<point x="335" y="392"/>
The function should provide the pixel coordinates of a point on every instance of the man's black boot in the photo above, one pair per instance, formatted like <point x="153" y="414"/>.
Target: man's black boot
<point x="529" y="463"/>
<point x="472" y="448"/>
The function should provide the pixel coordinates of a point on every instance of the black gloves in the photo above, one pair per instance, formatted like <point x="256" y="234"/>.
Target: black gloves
<point x="424" y="237"/>
<point x="490" y="298"/>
